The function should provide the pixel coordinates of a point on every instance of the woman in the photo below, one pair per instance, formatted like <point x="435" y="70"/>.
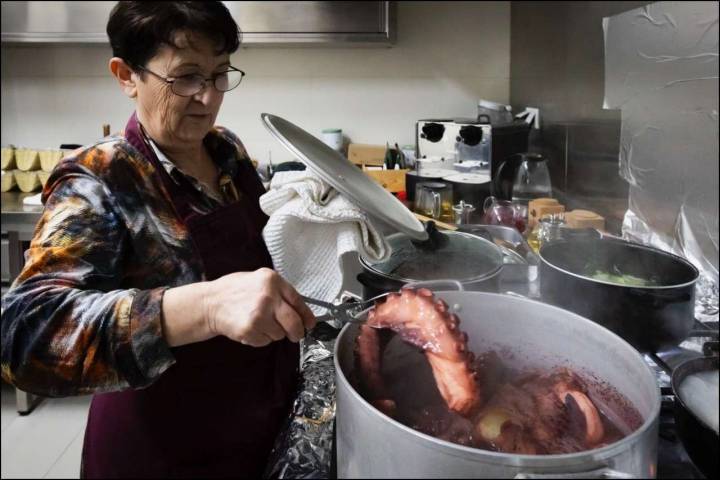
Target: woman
<point x="147" y="281"/>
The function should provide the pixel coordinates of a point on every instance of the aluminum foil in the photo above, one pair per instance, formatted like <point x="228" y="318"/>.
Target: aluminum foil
<point x="661" y="71"/>
<point x="304" y="447"/>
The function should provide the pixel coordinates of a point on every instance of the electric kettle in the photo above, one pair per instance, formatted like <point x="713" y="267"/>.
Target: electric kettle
<point x="523" y="177"/>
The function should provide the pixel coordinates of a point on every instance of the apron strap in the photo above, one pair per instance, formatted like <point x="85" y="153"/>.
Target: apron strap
<point x="180" y="198"/>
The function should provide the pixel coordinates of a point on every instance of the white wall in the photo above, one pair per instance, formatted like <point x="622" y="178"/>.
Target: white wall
<point x="447" y="55"/>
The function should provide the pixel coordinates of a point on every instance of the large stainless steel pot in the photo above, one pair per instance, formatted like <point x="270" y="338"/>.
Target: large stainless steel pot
<point x="372" y="445"/>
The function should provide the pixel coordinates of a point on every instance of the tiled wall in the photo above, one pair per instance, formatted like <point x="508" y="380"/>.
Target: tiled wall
<point x="448" y="54"/>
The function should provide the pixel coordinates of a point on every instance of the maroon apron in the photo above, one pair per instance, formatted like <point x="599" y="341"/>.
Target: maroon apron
<point x="217" y="410"/>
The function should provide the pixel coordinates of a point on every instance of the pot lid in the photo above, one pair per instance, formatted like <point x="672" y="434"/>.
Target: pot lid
<point x="472" y="178"/>
<point x="345" y="177"/>
<point x="463" y="257"/>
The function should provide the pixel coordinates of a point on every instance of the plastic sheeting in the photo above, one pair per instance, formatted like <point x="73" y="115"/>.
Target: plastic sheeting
<point x="661" y="70"/>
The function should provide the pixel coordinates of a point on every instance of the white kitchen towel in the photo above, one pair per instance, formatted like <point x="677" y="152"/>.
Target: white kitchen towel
<point x="311" y="226"/>
<point x="33" y="200"/>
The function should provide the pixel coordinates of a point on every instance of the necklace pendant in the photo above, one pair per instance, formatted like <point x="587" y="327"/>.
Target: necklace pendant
<point x="227" y="187"/>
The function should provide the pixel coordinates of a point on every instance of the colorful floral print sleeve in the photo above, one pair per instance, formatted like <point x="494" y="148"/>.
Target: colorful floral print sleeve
<point x="84" y="315"/>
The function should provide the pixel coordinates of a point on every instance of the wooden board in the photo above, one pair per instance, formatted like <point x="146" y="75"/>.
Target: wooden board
<point x="362" y="154"/>
<point x="391" y="180"/>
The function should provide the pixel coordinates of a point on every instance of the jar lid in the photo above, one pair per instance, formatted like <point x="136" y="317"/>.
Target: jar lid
<point x="557" y="218"/>
<point x="332" y="130"/>
<point x="463" y="257"/>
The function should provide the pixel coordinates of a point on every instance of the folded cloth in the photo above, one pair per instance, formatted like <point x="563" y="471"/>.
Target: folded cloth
<point x="33" y="200"/>
<point x="311" y="226"/>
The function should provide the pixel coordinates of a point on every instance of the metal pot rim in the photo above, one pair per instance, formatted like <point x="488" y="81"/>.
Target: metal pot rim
<point x="629" y="245"/>
<point x="504" y="458"/>
<point x="676" y="381"/>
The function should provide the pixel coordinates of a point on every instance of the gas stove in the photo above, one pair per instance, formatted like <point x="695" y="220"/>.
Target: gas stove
<point x="307" y="449"/>
<point x="673" y="461"/>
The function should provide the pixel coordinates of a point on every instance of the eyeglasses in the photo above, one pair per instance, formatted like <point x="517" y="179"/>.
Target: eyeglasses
<point x="189" y="85"/>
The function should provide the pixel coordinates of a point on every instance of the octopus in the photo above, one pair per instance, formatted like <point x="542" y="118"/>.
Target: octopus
<point x="535" y="413"/>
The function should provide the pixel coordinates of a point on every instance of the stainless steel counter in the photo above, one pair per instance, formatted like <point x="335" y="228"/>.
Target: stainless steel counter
<point x="18" y="224"/>
<point x="18" y="217"/>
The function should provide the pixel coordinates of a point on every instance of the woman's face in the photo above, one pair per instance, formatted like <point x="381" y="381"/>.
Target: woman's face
<point x="170" y="118"/>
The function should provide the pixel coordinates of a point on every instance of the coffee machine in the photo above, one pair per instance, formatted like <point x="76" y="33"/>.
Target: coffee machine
<point x="447" y="142"/>
<point x="452" y="140"/>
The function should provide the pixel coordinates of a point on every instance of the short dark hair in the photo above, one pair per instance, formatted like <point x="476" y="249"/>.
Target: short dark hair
<point x="138" y="29"/>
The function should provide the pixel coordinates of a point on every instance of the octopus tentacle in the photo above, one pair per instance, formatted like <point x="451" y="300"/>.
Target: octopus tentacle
<point x="571" y="392"/>
<point x="369" y="345"/>
<point x="426" y="322"/>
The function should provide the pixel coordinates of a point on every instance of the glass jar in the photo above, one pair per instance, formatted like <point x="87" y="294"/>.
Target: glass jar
<point x="549" y="228"/>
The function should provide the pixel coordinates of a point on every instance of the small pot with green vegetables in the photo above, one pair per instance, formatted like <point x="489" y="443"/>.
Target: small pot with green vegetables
<point x="643" y="294"/>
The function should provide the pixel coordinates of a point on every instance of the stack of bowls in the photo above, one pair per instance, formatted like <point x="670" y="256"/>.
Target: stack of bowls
<point x="27" y="168"/>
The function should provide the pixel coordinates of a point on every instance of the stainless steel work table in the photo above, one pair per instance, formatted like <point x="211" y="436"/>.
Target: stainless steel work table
<point x="18" y="224"/>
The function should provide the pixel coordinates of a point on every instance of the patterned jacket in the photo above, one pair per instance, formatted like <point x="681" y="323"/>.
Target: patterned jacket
<point x="84" y="315"/>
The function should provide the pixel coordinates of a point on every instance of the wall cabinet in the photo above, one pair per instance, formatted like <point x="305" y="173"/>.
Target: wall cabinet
<point x="338" y="23"/>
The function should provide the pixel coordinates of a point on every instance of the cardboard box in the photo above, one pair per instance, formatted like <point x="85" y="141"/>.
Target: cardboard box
<point x="362" y="154"/>
<point x="391" y="180"/>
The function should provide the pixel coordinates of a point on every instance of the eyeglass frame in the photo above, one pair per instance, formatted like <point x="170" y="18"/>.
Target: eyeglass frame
<point x="172" y="80"/>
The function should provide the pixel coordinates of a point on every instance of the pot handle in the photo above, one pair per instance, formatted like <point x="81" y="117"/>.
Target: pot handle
<point x="433" y="284"/>
<point x="599" y="473"/>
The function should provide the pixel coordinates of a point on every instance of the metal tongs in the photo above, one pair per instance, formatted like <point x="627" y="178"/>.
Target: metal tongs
<point x="345" y="312"/>
<point x="350" y="312"/>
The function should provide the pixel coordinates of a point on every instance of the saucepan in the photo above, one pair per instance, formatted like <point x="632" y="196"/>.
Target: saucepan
<point x="643" y="294"/>
<point x="695" y="385"/>
<point x="373" y="445"/>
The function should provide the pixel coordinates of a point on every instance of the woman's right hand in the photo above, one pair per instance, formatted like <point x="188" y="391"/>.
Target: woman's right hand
<point x="255" y="308"/>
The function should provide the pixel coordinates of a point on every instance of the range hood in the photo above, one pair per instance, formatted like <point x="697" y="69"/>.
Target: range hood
<point x="337" y="23"/>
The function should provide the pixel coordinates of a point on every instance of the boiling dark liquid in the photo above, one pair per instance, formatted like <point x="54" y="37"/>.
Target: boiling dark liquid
<point x="421" y="407"/>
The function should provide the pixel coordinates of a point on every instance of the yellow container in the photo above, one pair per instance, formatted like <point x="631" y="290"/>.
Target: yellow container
<point x="391" y="180"/>
<point x="49" y="158"/>
<point x="585" y="219"/>
<point x="8" y="180"/>
<point x="27" y="159"/>
<point x="8" y="158"/>
<point x="27" y="181"/>
<point x="540" y="207"/>
<point x="43" y="177"/>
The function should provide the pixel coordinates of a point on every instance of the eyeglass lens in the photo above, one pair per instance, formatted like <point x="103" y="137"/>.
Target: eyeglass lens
<point x="191" y="85"/>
